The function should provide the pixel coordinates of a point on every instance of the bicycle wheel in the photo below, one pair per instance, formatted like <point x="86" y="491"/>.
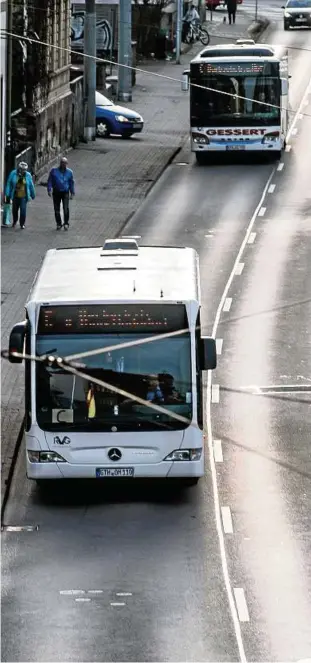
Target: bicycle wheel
<point x="204" y="37"/>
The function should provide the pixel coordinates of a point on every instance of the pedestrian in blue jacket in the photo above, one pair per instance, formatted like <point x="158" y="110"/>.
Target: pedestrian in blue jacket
<point x="20" y="189"/>
<point x="60" y="186"/>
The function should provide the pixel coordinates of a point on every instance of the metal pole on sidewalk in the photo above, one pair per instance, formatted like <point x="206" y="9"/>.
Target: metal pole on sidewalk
<point x="90" y="69"/>
<point x="179" y="4"/>
<point x="8" y="92"/>
<point x="125" y="51"/>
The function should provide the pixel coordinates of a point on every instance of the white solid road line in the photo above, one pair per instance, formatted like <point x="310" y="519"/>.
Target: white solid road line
<point x="215" y="393"/>
<point x="239" y="268"/>
<point x="241" y="604"/>
<point x="251" y="238"/>
<point x="271" y="188"/>
<point x="219" y="344"/>
<point x="262" y="211"/>
<point x="218" y="455"/>
<point x="227" y="304"/>
<point x="227" y="519"/>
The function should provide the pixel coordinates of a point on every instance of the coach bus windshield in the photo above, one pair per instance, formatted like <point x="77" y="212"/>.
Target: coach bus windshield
<point x="212" y="107"/>
<point x="159" y="372"/>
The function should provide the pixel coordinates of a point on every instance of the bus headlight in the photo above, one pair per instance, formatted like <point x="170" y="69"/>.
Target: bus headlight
<point x="200" y="139"/>
<point x="45" y="457"/>
<point x="273" y="136"/>
<point x="185" y="454"/>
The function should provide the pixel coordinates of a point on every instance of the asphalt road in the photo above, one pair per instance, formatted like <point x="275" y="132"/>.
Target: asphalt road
<point x="157" y="573"/>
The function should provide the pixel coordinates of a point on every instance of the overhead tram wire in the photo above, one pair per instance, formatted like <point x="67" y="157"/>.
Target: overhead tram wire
<point x="150" y="73"/>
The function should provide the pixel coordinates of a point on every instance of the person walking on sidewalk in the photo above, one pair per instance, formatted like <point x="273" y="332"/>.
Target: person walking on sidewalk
<point x="61" y="185"/>
<point x="231" y="8"/>
<point x="20" y="189"/>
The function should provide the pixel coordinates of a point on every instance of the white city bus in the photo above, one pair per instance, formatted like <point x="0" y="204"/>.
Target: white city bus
<point x="127" y="317"/>
<point x="247" y="73"/>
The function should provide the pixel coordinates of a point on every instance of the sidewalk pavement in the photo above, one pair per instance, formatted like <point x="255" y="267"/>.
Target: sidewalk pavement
<point x="113" y="177"/>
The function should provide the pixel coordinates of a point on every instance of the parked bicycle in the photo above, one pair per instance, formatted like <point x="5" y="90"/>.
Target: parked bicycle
<point x="197" y="33"/>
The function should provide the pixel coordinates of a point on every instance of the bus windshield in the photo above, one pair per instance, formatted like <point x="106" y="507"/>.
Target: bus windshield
<point x="210" y="107"/>
<point x="159" y="372"/>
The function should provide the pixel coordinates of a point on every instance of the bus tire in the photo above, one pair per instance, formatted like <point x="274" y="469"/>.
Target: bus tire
<point x="190" y="482"/>
<point x="277" y="155"/>
<point x="201" y="158"/>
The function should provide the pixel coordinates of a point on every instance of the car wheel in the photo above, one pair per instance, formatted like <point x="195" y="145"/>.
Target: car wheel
<point x="102" y="129"/>
<point x="286" y="26"/>
<point x="127" y="134"/>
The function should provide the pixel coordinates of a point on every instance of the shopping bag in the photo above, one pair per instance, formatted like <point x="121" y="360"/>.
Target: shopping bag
<point x="6" y="214"/>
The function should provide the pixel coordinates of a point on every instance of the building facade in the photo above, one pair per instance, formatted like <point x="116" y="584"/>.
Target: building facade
<point x="43" y="103"/>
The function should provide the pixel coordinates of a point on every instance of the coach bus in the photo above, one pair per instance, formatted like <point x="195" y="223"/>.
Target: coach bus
<point x="238" y="99"/>
<point x="113" y="358"/>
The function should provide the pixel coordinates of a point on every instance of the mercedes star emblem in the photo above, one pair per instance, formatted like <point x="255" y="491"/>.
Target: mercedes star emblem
<point x="114" y="454"/>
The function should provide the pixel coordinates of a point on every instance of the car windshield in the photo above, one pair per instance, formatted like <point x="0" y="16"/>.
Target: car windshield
<point x="100" y="100"/>
<point x="158" y="372"/>
<point x="212" y="106"/>
<point x="298" y="4"/>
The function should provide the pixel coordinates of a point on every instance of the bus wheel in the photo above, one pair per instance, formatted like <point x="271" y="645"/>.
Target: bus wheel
<point x="190" y="481"/>
<point x="201" y="158"/>
<point x="277" y="155"/>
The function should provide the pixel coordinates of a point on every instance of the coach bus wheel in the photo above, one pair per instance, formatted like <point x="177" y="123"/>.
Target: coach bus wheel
<point x="201" y="158"/>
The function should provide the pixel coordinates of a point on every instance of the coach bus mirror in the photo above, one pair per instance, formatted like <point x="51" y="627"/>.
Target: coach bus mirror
<point x="16" y="342"/>
<point x="208" y="356"/>
<point x="284" y="84"/>
<point x="185" y="81"/>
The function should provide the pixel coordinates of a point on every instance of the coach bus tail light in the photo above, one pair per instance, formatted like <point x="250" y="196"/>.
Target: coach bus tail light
<point x="16" y="342"/>
<point x="185" y="80"/>
<point x="45" y="457"/>
<point x="185" y="454"/>
<point x="207" y="353"/>
<point x="271" y="137"/>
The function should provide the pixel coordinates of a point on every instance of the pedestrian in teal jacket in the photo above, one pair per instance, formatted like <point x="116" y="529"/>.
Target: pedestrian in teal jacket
<point x="20" y="189"/>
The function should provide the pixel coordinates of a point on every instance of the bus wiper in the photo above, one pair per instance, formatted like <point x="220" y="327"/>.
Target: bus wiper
<point x="47" y="352"/>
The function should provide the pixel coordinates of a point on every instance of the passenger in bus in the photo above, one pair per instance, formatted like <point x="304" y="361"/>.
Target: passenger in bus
<point x="170" y="394"/>
<point x="154" y="393"/>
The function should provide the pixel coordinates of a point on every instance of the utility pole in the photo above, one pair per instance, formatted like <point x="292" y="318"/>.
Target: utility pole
<point x="179" y="6"/>
<point x="9" y="57"/>
<point x="90" y="69"/>
<point x="125" y="51"/>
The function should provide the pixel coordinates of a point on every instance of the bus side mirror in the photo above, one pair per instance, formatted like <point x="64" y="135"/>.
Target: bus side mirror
<point x="16" y="342"/>
<point x="208" y="355"/>
<point x="185" y="81"/>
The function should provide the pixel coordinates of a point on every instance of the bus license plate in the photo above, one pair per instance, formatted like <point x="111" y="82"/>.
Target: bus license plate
<point x="235" y="147"/>
<point x="114" y="472"/>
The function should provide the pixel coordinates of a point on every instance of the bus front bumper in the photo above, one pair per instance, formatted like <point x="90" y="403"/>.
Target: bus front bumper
<point x="164" y="469"/>
<point x="204" y="144"/>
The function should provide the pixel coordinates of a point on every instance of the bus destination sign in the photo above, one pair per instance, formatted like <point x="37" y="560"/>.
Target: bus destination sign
<point x="112" y="318"/>
<point x="232" y="68"/>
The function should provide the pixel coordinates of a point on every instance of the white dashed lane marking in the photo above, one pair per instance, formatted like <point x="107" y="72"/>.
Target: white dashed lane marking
<point x="239" y="268"/>
<point x="227" y="519"/>
<point x="219" y="344"/>
<point x="294" y="131"/>
<point x="271" y="188"/>
<point x="215" y="393"/>
<point x="116" y="604"/>
<point x="241" y="604"/>
<point x="218" y="455"/>
<point x="280" y="166"/>
<point x="227" y="304"/>
<point x="262" y="211"/>
<point x="288" y="148"/>
<point x="251" y="238"/>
